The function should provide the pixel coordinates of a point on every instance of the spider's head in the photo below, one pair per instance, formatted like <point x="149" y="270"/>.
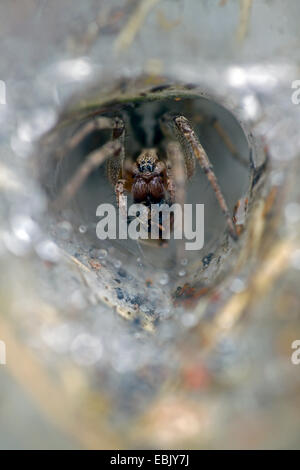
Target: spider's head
<point x="147" y="161"/>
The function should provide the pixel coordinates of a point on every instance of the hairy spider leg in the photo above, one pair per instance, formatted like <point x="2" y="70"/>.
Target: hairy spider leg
<point x="176" y="178"/>
<point x="115" y="166"/>
<point x="228" y="142"/>
<point x="113" y="148"/>
<point x="96" y="124"/>
<point x="181" y="129"/>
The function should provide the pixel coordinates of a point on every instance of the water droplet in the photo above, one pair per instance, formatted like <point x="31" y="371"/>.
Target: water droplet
<point x="64" y="230"/>
<point x="181" y="273"/>
<point x="292" y="212"/>
<point x="237" y="285"/>
<point x="295" y="259"/>
<point x="39" y="123"/>
<point x="277" y="178"/>
<point x="15" y="245"/>
<point x="251" y="108"/>
<point x="164" y="279"/>
<point x="117" y="264"/>
<point x="189" y="320"/>
<point x="102" y="254"/>
<point x="48" y="251"/>
<point x="184" y="262"/>
<point x="20" y="147"/>
<point x="77" y="300"/>
<point x="24" y="228"/>
<point x="57" y="338"/>
<point x="86" y="349"/>
<point x="82" y="229"/>
<point x="236" y="76"/>
<point x="74" y="69"/>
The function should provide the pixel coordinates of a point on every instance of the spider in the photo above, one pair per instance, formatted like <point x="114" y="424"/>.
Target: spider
<point x="150" y="179"/>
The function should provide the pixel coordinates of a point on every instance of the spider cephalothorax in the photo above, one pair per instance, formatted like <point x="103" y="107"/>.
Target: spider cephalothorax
<point x="149" y="178"/>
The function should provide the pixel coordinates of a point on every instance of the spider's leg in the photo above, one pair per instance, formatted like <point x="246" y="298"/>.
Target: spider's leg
<point x="93" y="160"/>
<point x="176" y="179"/>
<point x="192" y="148"/>
<point x="114" y="165"/>
<point x="180" y="167"/>
<point x="228" y="142"/>
<point x="177" y="153"/>
<point x="176" y="173"/>
<point x="98" y="123"/>
<point x="112" y="150"/>
<point x="119" y="190"/>
<point x="121" y="201"/>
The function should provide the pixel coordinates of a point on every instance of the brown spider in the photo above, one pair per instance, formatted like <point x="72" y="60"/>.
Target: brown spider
<point x="149" y="179"/>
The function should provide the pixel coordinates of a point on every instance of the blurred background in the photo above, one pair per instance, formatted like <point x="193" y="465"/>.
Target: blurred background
<point x="113" y="346"/>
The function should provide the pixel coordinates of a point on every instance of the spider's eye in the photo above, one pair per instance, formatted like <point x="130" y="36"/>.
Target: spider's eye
<point x="146" y="167"/>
